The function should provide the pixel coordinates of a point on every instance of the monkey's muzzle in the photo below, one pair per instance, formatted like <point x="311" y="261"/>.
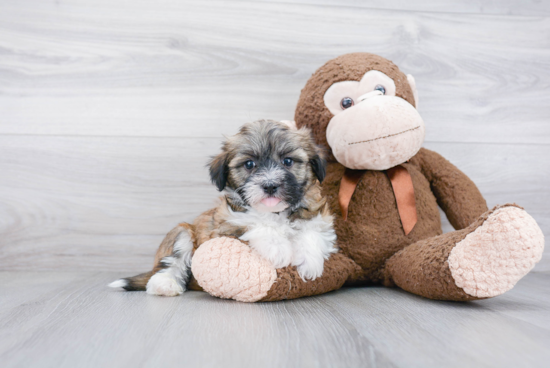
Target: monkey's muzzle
<point x="378" y="133"/>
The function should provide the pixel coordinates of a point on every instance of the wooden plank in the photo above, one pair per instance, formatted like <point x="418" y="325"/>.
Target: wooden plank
<point x="501" y="7"/>
<point x="88" y="201"/>
<point x="424" y="333"/>
<point x="104" y="203"/>
<point x="26" y="287"/>
<point x="188" y="69"/>
<point x="85" y="324"/>
<point x="528" y="300"/>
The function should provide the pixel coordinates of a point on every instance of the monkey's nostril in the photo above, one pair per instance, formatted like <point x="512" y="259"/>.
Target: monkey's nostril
<point x="270" y="189"/>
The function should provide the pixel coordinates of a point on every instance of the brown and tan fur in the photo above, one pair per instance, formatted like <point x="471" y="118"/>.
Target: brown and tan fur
<point x="229" y="174"/>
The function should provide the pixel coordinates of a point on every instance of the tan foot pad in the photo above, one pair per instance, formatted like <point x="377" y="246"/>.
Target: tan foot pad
<point x="230" y="269"/>
<point x="490" y="260"/>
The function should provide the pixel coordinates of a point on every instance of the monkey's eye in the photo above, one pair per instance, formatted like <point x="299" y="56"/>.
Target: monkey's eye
<point x="380" y="88"/>
<point x="346" y="103"/>
<point x="288" y="162"/>
<point x="249" y="165"/>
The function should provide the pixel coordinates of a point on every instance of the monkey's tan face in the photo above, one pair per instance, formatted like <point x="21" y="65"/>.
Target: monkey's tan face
<point x="268" y="166"/>
<point x="372" y="128"/>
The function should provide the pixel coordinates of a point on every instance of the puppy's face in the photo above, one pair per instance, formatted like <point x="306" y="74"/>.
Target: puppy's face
<point x="268" y="166"/>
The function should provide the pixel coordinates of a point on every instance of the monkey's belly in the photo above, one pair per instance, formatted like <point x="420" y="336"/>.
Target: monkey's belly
<point x="373" y="230"/>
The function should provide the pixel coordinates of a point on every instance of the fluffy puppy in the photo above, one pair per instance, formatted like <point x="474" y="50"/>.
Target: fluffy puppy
<point x="270" y="174"/>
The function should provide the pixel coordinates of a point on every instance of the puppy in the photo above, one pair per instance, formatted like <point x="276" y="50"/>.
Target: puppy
<point x="270" y="174"/>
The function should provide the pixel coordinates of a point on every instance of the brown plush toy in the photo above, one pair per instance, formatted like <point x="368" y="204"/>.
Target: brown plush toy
<point x="384" y="190"/>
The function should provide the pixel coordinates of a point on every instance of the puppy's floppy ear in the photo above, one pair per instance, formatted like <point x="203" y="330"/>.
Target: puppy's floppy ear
<point x="317" y="161"/>
<point x="319" y="166"/>
<point x="219" y="170"/>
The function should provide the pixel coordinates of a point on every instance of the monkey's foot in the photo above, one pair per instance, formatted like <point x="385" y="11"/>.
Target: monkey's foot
<point x="230" y="269"/>
<point x="493" y="258"/>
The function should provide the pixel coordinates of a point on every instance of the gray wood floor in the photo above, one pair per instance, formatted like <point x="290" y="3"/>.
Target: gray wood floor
<point x="110" y="109"/>
<point x="69" y="319"/>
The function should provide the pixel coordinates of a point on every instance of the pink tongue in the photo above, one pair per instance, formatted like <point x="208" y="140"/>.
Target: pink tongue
<point x="270" y="202"/>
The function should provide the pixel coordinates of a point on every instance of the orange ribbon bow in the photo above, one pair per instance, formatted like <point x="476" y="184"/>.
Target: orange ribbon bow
<point x="403" y="191"/>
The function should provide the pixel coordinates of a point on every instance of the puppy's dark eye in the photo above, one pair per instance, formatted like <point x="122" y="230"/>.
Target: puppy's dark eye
<point x="249" y="165"/>
<point x="346" y="103"/>
<point x="380" y="88"/>
<point x="288" y="162"/>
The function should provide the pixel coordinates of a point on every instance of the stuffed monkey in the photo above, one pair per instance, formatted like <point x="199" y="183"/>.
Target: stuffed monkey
<point x="384" y="190"/>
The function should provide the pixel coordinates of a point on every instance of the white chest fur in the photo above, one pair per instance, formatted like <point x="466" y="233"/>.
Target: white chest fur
<point x="302" y="243"/>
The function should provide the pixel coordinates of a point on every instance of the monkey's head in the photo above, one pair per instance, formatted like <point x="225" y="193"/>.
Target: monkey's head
<point x="361" y="108"/>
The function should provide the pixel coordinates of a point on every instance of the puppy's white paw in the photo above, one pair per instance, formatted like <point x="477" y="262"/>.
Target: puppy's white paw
<point x="311" y="268"/>
<point x="279" y="253"/>
<point x="164" y="284"/>
<point x="270" y="244"/>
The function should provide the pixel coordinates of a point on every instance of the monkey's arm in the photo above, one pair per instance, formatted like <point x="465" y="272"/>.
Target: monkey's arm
<point x="338" y="269"/>
<point x="456" y="194"/>
<point x="229" y="269"/>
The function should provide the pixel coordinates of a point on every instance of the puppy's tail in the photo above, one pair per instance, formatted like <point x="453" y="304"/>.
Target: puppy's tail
<point x="134" y="283"/>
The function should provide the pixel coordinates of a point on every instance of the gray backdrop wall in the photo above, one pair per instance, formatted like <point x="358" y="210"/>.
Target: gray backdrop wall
<point x="109" y="110"/>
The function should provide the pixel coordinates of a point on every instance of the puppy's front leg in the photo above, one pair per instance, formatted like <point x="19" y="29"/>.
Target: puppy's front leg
<point x="271" y="243"/>
<point x="172" y="280"/>
<point x="313" y="244"/>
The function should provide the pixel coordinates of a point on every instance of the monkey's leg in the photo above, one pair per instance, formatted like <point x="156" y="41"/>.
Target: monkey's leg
<point x="481" y="261"/>
<point x="230" y="269"/>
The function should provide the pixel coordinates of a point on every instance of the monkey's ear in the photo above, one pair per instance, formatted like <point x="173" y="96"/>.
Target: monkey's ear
<point x="319" y="166"/>
<point x="219" y="170"/>
<point x="412" y="83"/>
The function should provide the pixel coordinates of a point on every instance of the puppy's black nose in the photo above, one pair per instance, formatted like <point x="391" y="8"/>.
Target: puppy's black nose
<point x="270" y="189"/>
